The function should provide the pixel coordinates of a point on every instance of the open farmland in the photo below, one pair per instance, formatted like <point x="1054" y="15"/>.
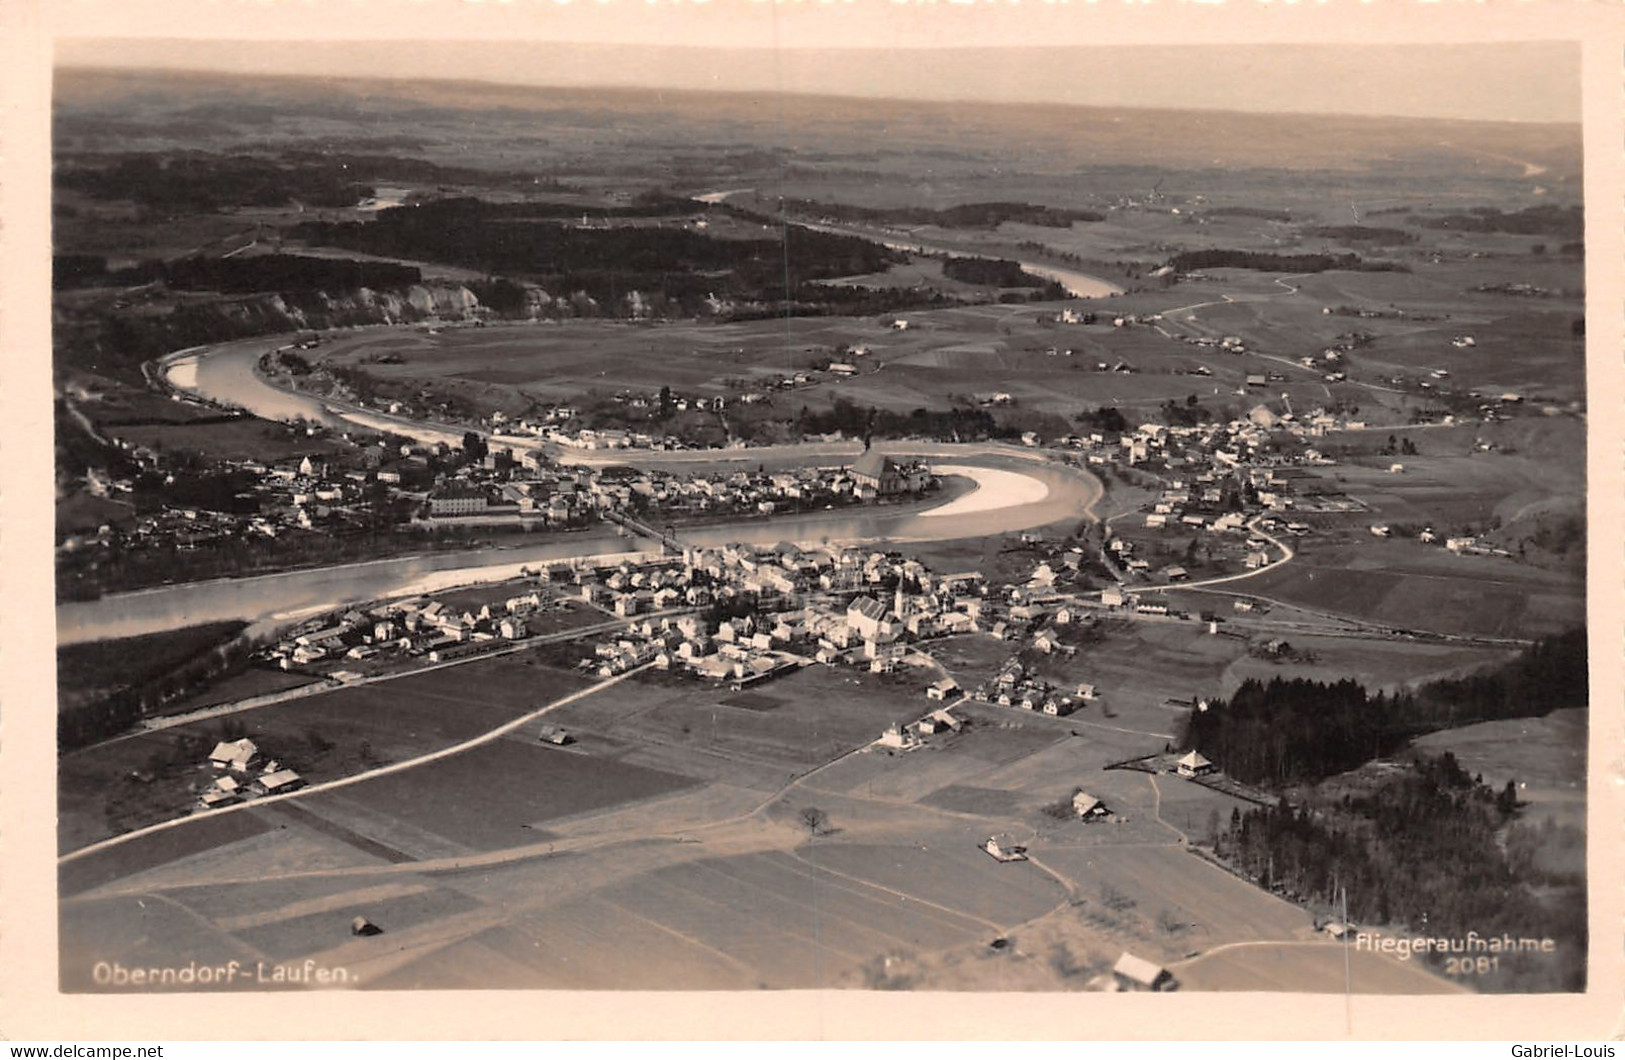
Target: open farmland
<point x="1309" y="967"/>
<point x="1429" y="590"/>
<point x="118" y="785"/>
<point x="1177" y="902"/>
<point x="452" y="797"/>
<point x="793" y="724"/>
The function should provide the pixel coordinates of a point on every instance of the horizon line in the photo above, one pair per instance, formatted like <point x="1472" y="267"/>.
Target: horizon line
<point x="246" y="75"/>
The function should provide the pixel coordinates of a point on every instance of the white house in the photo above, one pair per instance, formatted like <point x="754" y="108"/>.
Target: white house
<point x="1137" y="973"/>
<point x="237" y="755"/>
<point x="1194" y="764"/>
<point x="1005" y="848"/>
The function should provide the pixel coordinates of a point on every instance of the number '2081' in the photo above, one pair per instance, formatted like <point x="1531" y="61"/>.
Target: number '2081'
<point x="1471" y="965"/>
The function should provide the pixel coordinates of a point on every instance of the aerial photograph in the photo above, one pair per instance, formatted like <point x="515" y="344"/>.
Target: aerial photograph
<point x="676" y="519"/>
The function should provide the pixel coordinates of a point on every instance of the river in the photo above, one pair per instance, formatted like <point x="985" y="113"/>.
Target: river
<point x="1013" y="494"/>
<point x="1076" y="284"/>
<point x="1016" y="490"/>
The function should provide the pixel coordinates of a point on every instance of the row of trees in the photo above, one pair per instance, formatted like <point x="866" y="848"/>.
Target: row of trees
<point x="267" y="272"/>
<point x="1561" y="222"/>
<point x="952" y="424"/>
<point x="1191" y="260"/>
<point x="1364" y="234"/>
<point x="965" y="215"/>
<point x="1285" y="732"/>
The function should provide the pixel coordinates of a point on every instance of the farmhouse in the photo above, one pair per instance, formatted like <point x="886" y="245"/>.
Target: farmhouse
<point x="943" y="689"/>
<point x="279" y="781"/>
<point x="898" y="737"/>
<point x="1088" y="807"/>
<point x="237" y="755"/>
<point x="1137" y="973"/>
<point x="1194" y="764"/>
<point x="1005" y="848"/>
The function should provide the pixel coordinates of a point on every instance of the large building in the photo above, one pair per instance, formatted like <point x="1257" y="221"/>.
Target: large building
<point x="458" y="501"/>
<point x="878" y="474"/>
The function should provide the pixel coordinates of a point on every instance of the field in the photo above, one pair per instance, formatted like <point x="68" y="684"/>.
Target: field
<point x="481" y="799"/>
<point x="1546" y="756"/>
<point x="244" y="439"/>
<point x="324" y="737"/>
<point x="790" y="725"/>
<point x="1309" y="967"/>
<point x="1428" y="589"/>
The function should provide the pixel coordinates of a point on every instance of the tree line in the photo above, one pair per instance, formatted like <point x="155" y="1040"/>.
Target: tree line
<point x="1192" y="260"/>
<point x="1565" y="222"/>
<point x="172" y="669"/>
<point x="195" y="182"/>
<point x="965" y="215"/>
<point x="1284" y="732"/>
<point x="990" y="272"/>
<point x="1417" y="848"/>
<point x="608" y="264"/>
<point x="280" y="273"/>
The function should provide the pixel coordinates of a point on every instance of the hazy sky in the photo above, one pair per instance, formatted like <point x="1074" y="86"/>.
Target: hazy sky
<point x="850" y="47"/>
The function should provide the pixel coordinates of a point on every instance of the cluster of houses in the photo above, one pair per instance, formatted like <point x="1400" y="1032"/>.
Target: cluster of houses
<point x="800" y="606"/>
<point x="240" y="772"/>
<point x="905" y="737"/>
<point x="538" y="493"/>
<point x="1017" y="687"/>
<point x="415" y="627"/>
<point x="329" y="494"/>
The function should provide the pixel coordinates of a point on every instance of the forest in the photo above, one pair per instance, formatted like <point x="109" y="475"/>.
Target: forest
<point x="193" y="182"/>
<point x="1417" y="848"/>
<point x="1363" y="234"/>
<point x="857" y="421"/>
<point x="132" y="677"/>
<point x="989" y="272"/>
<point x="266" y="272"/>
<point x="1191" y="260"/>
<point x="608" y="264"/>
<point x="966" y="215"/>
<point x="1565" y="222"/>
<point x="1284" y="732"/>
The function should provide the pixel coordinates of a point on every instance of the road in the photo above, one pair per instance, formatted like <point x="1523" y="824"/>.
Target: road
<point x="316" y="687"/>
<point x="382" y="771"/>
